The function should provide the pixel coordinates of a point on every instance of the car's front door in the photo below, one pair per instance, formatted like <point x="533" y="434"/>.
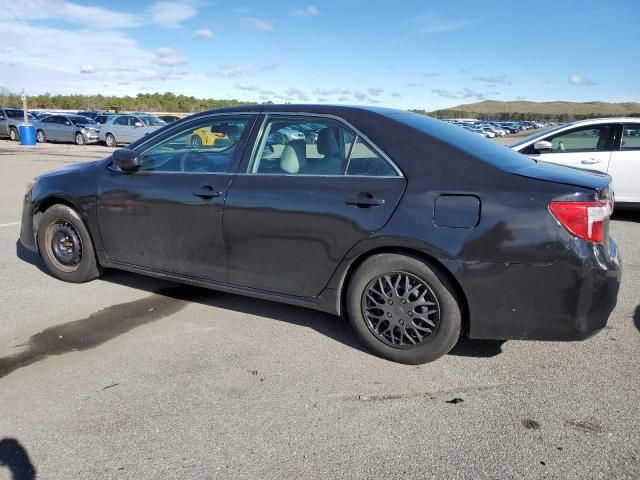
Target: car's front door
<point x="67" y="130"/>
<point x="120" y="128"/>
<point x="582" y="147"/>
<point x="167" y="215"/>
<point x="299" y="206"/>
<point x="624" y="166"/>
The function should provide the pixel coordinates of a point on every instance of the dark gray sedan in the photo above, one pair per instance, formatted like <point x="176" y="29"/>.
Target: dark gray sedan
<point x="67" y="128"/>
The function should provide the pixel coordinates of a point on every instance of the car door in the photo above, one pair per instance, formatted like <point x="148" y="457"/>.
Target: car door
<point x="53" y="126"/>
<point x="587" y="147"/>
<point x="297" y="208"/>
<point x="120" y="129"/>
<point x="4" y="129"/>
<point x="167" y="215"/>
<point x="66" y="130"/>
<point x="624" y="166"/>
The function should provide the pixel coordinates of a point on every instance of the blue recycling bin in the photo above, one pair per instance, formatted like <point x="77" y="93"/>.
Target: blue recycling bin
<point x="27" y="135"/>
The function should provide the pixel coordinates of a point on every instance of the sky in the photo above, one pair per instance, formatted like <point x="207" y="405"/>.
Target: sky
<point x="407" y="54"/>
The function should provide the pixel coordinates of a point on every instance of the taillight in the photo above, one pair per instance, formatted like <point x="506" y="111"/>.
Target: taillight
<point x="585" y="220"/>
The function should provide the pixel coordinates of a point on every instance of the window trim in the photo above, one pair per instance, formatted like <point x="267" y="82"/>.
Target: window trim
<point x="345" y="123"/>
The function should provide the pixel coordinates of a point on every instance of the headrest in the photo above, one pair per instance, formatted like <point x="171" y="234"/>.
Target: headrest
<point x="289" y="160"/>
<point x="328" y="141"/>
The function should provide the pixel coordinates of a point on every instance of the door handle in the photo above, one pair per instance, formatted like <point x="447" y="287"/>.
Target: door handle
<point x="207" y="192"/>
<point x="364" y="200"/>
<point x="590" y="161"/>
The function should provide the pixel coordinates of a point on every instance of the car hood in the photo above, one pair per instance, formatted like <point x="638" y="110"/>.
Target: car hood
<point x="552" y="172"/>
<point x="69" y="169"/>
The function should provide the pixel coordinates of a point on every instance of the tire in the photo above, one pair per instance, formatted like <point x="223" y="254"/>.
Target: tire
<point x="62" y="226"/>
<point x="79" y="139"/>
<point x="407" y="339"/>
<point x="196" y="141"/>
<point x="41" y="137"/>
<point x="13" y="134"/>
<point x="110" y="140"/>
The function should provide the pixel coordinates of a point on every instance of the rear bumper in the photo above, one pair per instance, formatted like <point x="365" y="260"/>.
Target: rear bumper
<point x="27" y="230"/>
<point x="570" y="299"/>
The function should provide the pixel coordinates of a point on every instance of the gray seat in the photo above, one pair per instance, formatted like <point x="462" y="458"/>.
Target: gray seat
<point x="328" y="146"/>
<point x="294" y="158"/>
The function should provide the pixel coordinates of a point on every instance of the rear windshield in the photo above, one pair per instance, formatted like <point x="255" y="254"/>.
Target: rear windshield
<point x="486" y="150"/>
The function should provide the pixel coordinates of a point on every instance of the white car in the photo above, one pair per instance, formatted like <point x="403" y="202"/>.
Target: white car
<point x="610" y="145"/>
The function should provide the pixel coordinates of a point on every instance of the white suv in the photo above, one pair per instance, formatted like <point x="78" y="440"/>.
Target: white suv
<point x="609" y="145"/>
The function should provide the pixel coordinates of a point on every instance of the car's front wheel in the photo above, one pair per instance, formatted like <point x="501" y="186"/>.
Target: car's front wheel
<point x="403" y="309"/>
<point x="79" y="139"/>
<point x="65" y="245"/>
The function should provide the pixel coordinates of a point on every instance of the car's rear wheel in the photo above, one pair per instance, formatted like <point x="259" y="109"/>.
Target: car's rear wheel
<point x="79" y="139"/>
<point x="13" y="134"/>
<point x="196" y="141"/>
<point x="41" y="137"/>
<point x="403" y="309"/>
<point x="110" y="140"/>
<point x="65" y="245"/>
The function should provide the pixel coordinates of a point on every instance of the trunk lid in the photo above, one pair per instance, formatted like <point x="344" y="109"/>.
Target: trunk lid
<point x="577" y="177"/>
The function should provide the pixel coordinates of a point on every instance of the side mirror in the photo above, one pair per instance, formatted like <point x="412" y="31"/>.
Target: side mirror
<point x="542" y="146"/>
<point x="137" y="124"/>
<point x="2" y="117"/>
<point x="126" y="160"/>
<point x="67" y="123"/>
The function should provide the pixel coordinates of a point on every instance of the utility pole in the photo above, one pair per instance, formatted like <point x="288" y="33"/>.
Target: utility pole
<point x="24" y="106"/>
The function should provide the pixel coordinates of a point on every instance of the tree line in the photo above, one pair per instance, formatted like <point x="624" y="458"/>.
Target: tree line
<point x="143" y="102"/>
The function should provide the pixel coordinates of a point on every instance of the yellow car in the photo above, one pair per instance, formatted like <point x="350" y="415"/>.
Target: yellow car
<point x="205" y="137"/>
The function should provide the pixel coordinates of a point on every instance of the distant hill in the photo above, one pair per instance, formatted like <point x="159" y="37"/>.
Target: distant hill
<point x="539" y="110"/>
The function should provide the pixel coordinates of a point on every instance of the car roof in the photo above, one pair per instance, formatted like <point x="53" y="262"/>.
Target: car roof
<point x="327" y="109"/>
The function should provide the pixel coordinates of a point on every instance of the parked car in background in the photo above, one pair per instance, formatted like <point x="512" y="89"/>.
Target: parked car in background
<point x="119" y="129"/>
<point x="67" y="128"/>
<point x="168" y="118"/>
<point x="418" y="231"/>
<point x="10" y="120"/>
<point x="92" y="114"/>
<point x="610" y="145"/>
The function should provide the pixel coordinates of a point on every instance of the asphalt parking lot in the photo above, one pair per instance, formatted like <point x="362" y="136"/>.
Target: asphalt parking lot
<point x="130" y="377"/>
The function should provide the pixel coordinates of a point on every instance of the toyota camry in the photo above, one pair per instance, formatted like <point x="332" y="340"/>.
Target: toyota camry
<point x="417" y="231"/>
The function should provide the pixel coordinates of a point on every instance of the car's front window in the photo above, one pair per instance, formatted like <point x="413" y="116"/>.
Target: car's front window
<point x="207" y="146"/>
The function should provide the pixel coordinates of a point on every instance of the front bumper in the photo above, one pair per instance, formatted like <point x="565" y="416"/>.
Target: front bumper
<point x="91" y="137"/>
<point x="569" y="299"/>
<point x="27" y="227"/>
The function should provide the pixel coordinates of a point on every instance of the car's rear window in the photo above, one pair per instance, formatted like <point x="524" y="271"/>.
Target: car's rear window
<point x="486" y="150"/>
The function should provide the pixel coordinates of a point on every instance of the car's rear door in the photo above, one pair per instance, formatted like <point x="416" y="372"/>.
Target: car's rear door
<point x="624" y="166"/>
<point x="53" y="126"/>
<point x="587" y="147"/>
<point x="167" y="216"/>
<point x="294" y="210"/>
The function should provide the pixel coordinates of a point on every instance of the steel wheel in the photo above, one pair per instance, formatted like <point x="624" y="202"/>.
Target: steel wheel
<point x="64" y="245"/>
<point x="400" y="310"/>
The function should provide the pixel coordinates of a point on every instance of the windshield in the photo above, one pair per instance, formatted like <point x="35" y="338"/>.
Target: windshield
<point x="152" y="121"/>
<point x="80" y="120"/>
<point x="15" y="113"/>
<point x="537" y="135"/>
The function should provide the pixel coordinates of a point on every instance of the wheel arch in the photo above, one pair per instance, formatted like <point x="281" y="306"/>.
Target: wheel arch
<point x="353" y="265"/>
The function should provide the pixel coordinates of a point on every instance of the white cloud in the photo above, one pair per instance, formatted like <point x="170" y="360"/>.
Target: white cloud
<point x="255" y="23"/>
<point x="231" y="71"/>
<point x="247" y="87"/>
<point x="171" y="14"/>
<point x="360" y="96"/>
<point x="576" y="79"/>
<point x="298" y="93"/>
<point x="202" y="34"/>
<point x="88" y="68"/>
<point x="375" y="92"/>
<point x="168" y="57"/>
<point x="465" y="93"/>
<point x="308" y="11"/>
<point x="96" y="17"/>
<point x="325" y="92"/>
<point x="396" y="95"/>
